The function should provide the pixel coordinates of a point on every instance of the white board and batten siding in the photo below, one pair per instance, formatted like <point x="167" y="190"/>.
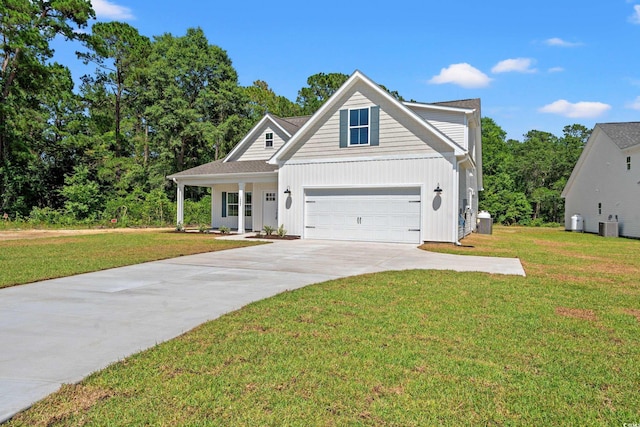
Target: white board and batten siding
<point x="437" y="213"/>
<point x="257" y="149"/>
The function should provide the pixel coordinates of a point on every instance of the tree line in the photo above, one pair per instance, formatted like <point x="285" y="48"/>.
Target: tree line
<point x="155" y="106"/>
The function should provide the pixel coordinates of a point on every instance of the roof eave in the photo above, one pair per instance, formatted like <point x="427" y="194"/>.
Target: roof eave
<point x="358" y="75"/>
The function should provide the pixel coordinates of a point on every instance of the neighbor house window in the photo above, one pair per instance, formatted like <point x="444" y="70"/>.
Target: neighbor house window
<point x="268" y="140"/>
<point x="359" y="126"/>
<point x="232" y="204"/>
<point x="629" y="163"/>
<point x="599" y="208"/>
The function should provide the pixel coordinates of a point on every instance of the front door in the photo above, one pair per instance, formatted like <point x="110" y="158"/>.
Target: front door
<point x="269" y="209"/>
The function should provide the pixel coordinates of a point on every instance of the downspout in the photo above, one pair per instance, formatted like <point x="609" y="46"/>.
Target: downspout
<point x="456" y="202"/>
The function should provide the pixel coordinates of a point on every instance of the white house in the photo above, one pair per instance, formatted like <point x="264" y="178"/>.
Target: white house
<point x="605" y="183"/>
<point x="364" y="167"/>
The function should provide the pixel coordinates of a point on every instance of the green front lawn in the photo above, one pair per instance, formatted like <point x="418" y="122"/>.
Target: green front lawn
<point x="29" y="260"/>
<point x="413" y="348"/>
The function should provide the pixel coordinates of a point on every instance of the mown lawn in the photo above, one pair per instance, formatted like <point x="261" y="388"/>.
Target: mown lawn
<point x="29" y="260"/>
<point x="413" y="348"/>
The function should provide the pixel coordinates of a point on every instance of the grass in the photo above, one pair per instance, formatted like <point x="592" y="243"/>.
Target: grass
<point x="412" y="348"/>
<point x="24" y="261"/>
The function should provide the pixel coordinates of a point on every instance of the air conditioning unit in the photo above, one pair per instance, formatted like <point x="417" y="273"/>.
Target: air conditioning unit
<point x="608" y="229"/>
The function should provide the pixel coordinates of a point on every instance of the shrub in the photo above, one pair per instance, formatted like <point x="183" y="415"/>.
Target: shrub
<point x="281" y="231"/>
<point x="224" y="230"/>
<point x="268" y="230"/>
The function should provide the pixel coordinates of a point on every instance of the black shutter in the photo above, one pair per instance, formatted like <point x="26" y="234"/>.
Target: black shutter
<point x="224" y="204"/>
<point x="344" y="128"/>
<point x="374" y="130"/>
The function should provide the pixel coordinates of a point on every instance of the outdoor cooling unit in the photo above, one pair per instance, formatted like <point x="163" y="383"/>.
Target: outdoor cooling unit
<point x="608" y="229"/>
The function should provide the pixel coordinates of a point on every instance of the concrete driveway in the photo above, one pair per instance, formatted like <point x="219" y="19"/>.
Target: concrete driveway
<point x="59" y="331"/>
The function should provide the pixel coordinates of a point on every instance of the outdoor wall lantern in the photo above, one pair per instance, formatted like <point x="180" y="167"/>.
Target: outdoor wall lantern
<point x="287" y="191"/>
<point x="438" y="190"/>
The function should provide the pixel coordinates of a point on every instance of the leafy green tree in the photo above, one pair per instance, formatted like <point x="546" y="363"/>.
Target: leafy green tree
<point x="26" y="28"/>
<point x="119" y="51"/>
<point x="82" y="195"/>
<point x="193" y="98"/>
<point x="262" y="100"/>
<point x="26" y="81"/>
<point x="320" y="88"/>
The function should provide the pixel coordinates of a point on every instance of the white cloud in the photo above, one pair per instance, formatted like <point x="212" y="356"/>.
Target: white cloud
<point x="635" y="18"/>
<point x="106" y="9"/>
<point x="463" y="75"/>
<point x="578" y="110"/>
<point x="635" y="105"/>
<point x="556" y="41"/>
<point x="555" y="69"/>
<point x="519" y="65"/>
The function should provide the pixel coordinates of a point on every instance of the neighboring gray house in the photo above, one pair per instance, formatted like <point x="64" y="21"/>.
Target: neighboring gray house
<point x="364" y="167"/>
<point x="605" y="183"/>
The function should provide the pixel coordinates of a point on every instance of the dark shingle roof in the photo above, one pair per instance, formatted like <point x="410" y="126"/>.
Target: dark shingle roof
<point x="218" y="167"/>
<point x="291" y="124"/>
<point x="624" y="135"/>
<point x="461" y="103"/>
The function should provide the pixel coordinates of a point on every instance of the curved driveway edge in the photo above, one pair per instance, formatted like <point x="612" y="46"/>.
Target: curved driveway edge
<point x="59" y="331"/>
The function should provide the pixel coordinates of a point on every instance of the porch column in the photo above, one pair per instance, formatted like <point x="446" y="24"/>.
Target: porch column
<point x="241" y="207"/>
<point x="213" y="207"/>
<point x="180" y="199"/>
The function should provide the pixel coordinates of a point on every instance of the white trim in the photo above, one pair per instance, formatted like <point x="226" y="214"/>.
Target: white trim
<point x="440" y="107"/>
<point x="349" y="127"/>
<point x="583" y="157"/>
<point x="356" y="77"/>
<point x="250" y="136"/>
<point x="369" y="159"/>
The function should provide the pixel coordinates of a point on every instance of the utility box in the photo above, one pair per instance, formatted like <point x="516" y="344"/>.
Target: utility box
<point x="608" y="229"/>
<point x="485" y="223"/>
<point x="577" y="223"/>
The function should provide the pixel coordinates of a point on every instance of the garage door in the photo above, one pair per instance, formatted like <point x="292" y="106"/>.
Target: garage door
<point x="375" y="215"/>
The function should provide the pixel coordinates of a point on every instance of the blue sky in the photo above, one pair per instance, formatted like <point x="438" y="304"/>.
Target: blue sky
<point x="536" y="65"/>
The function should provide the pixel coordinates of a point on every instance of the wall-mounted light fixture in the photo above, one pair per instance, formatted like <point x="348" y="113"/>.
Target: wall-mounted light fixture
<point x="437" y="190"/>
<point x="287" y="191"/>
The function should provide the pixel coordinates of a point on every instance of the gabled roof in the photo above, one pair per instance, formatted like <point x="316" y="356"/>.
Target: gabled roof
<point x="219" y="167"/>
<point x="472" y="104"/>
<point x="291" y="124"/>
<point x="624" y="135"/>
<point x="288" y="126"/>
<point x="358" y="77"/>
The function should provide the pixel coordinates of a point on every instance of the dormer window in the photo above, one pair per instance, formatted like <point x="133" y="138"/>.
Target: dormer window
<point x="629" y="163"/>
<point x="359" y="126"/>
<point x="268" y="140"/>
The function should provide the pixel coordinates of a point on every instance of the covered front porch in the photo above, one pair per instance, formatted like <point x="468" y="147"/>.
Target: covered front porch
<point x="244" y="195"/>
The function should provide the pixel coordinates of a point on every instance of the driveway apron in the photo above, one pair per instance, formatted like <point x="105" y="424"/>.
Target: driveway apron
<point x="59" y="331"/>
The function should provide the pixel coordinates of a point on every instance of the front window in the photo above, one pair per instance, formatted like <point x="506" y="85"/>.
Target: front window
<point x="359" y="126"/>
<point x="247" y="204"/>
<point x="629" y="163"/>
<point x="232" y="204"/>
<point x="268" y="140"/>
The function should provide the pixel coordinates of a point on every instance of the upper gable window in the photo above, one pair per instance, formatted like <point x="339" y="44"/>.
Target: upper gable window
<point x="629" y="163"/>
<point x="268" y="140"/>
<point x="359" y="126"/>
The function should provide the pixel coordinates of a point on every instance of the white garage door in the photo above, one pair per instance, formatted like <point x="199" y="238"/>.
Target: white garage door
<point x="374" y="214"/>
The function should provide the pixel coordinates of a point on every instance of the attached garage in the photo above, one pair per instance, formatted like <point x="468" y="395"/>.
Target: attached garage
<point x="363" y="214"/>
